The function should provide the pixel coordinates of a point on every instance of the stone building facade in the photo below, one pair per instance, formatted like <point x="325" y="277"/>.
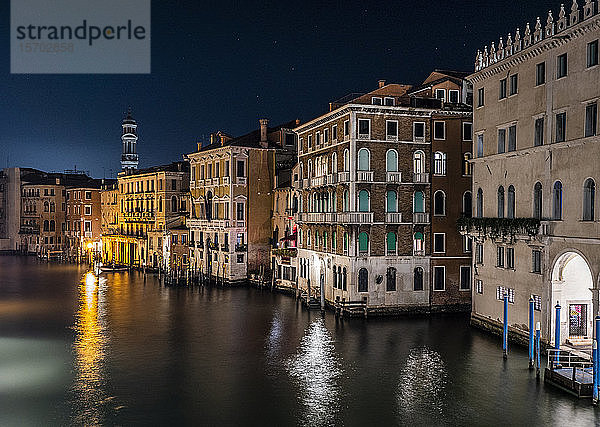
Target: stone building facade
<point x="536" y="145"/>
<point x="367" y="177"/>
<point x="84" y="222"/>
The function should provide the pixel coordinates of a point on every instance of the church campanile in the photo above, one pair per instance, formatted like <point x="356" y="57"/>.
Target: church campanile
<point x="129" y="157"/>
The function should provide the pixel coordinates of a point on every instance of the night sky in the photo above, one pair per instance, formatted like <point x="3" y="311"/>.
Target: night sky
<point x="224" y="66"/>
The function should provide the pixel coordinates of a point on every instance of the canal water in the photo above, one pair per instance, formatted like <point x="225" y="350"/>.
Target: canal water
<point x="120" y="349"/>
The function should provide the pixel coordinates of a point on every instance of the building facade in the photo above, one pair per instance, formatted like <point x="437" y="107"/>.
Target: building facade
<point x="84" y="222"/>
<point x="368" y="174"/>
<point x="536" y="144"/>
<point x="232" y="186"/>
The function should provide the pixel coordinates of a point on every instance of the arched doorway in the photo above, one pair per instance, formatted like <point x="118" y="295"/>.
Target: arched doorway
<point x="571" y="288"/>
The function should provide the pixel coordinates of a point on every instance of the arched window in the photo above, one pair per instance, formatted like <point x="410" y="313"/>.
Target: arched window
<point x="364" y="160"/>
<point x="589" y="194"/>
<point x="173" y="204"/>
<point x="418" y="202"/>
<point x="46" y="225"/>
<point x="391" y="242"/>
<point x="510" y="208"/>
<point x="439" y="163"/>
<point x="392" y="201"/>
<point x="52" y="225"/>
<point x="334" y="207"/>
<point x="390" y="279"/>
<point x="501" y="202"/>
<point x="315" y="202"/>
<point x="419" y="243"/>
<point x="467" y="204"/>
<point x="419" y="162"/>
<point x="346" y="241"/>
<point x="334" y="165"/>
<point x="363" y="243"/>
<point x="344" y="279"/>
<point x="335" y="277"/>
<point x="295" y="204"/>
<point x="418" y="279"/>
<point x="467" y="169"/>
<point x="363" y="201"/>
<point x="208" y="205"/>
<point x="46" y="207"/>
<point x="391" y="161"/>
<point x="439" y="203"/>
<point x="557" y="201"/>
<point x="363" y="280"/>
<point x="52" y="207"/>
<point x="537" y="200"/>
<point x="346" y="160"/>
<point x="479" y="213"/>
<point x="346" y="201"/>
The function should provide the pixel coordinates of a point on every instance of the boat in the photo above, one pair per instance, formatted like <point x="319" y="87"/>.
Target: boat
<point x="110" y="268"/>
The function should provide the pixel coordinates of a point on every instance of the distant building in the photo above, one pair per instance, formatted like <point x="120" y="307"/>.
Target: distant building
<point x="232" y="184"/>
<point x="149" y="202"/>
<point x="84" y="222"/>
<point x="10" y="208"/>
<point x="383" y="180"/>
<point x="536" y="152"/>
<point x="129" y="138"/>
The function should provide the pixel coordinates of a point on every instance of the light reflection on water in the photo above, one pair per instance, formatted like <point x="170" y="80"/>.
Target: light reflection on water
<point x="317" y="369"/>
<point x="421" y="385"/>
<point x="90" y="350"/>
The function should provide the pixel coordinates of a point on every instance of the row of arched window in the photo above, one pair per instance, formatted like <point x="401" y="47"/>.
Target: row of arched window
<point x="506" y="201"/>
<point x="49" y="225"/>
<point x="327" y="201"/>
<point x="390" y="279"/>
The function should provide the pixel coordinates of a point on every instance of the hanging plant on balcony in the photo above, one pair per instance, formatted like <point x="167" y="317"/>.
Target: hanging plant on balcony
<point x="500" y="227"/>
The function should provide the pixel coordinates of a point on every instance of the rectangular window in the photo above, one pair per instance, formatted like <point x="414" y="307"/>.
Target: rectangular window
<point x="439" y="242"/>
<point x="501" y="140"/>
<point x="480" y="97"/>
<point x="537" y="302"/>
<point x="310" y="141"/>
<point x="88" y="210"/>
<point x="418" y="131"/>
<point x="240" y="258"/>
<point x="326" y="136"/>
<point x="240" y="212"/>
<point x="591" y="119"/>
<point x="88" y="195"/>
<point x="514" y="84"/>
<point x="592" y="53"/>
<point x="440" y="94"/>
<point x="467" y="131"/>
<point x="226" y="171"/>
<point x="318" y="138"/>
<point x="364" y="128"/>
<point x="241" y="169"/>
<point x="376" y="100"/>
<point x="467" y="244"/>
<point x="454" y="96"/>
<point x="512" y="138"/>
<point x="173" y="184"/>
<point x="538" y="138"/>
<point x="561" y="66"/>
<point x="439" y="130"/>
<point x="480" y="145"/>
<point x="536" y="261"/>
<point x="439" y="278"/>
<point x="290" y="140"/>
<point x="502" y="291"/>
<point x="346" y="128"/>
<point x="334" y="133"/>
<point x="510" y="258"/>
<point x="561" y="127"/>
<point x="391" y="129"/>
<point x="540" y="73"/>
<point x="500" y="256"/>
<point x="87" y="226"/>
<point x="217" y="170"/>
<point x="210" y="170"/>
<point x="502" y="93"/>
<point x="389" y="101"/>
<point x="465" y="277"/>
<point x="174" y="239"/>
<point x="201" y="172"/>
<point x="479" y="286"/>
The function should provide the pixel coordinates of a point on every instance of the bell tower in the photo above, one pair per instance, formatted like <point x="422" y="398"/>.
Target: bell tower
<point x="129" y="157"/>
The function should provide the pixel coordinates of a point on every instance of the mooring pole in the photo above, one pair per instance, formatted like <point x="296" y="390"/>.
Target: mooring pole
<point x="557" y="333"/>
<point x="537" y="348"/>
<point x="531" y="333"/>
<point x="505" y="329"/>
<point x="596" y="365"/>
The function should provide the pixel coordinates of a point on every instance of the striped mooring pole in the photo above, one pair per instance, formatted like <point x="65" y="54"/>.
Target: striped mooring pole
<point x="531" y="343"/>
<point x="505" y="329"/>
<point x="596" y="363"/>
<point x="537" y="348"/>
<point x="557" y="333"/>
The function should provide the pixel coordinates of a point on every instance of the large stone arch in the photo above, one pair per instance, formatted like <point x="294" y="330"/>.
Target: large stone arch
<point x="572" y="281"/>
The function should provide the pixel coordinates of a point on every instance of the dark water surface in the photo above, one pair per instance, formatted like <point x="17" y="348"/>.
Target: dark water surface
<point x="75" y="349"/>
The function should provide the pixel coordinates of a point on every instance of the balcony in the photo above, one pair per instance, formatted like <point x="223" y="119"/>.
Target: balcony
<point x="420" y="218"/>
<point x="318" y="181"/>
<point x="241" y="180"/>
<point x="343" y="176"/>
<point x="391" y="138"/>
<point x="225" y="180"/>
<point x="394" y="177"/>
<point x="503" y="227"/>
<point x="88" y="234"/>
<point x="299" y="183"/>
<point x="393" y="217"/>
<point x="421" y="178"/>
<point x="305" y="183"/>
<point x="317" y="217"/>
<point x="418" y="252"/>
<point x="332" y="178"/>
<point x="241" y="248"/>
<point x="364" y="176"/>
<point x="355" y="217"/>
<point x="29" y="229"/>
<point x="285" y="252"/>
<point x="364" y="136"/>
<point x="224" y="248"/>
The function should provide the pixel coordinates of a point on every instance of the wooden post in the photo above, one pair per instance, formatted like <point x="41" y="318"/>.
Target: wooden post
<point x="505" y="329"/>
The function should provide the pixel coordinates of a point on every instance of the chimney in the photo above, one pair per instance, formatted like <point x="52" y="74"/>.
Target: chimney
<point x="381" y="83"/>
<point x="212" y="138"/>
<point x="199" y="145"/>
<point x="222" y="139"/>
<point x="297" y="122"/>
<point x="330" y="106"/>
<point x="263" y="133"/>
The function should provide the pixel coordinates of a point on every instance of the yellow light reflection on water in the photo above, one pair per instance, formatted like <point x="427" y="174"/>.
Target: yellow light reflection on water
<point x="90" y="345"/>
